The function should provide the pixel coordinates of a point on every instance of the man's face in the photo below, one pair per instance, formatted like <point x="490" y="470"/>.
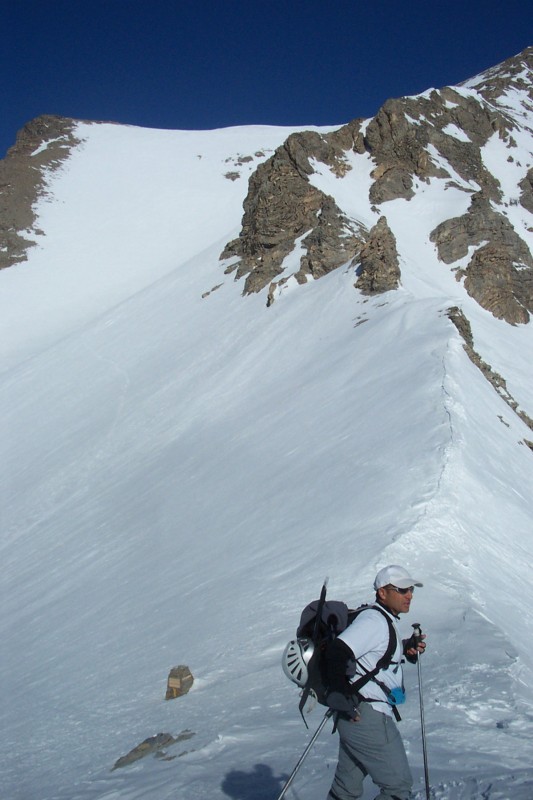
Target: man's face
<point x="398" y="602"/>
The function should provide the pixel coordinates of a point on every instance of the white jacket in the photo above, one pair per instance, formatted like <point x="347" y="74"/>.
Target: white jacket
<point x="368" y="638"/>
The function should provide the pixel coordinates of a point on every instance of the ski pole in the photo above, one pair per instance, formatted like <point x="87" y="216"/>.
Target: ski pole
<point x="418" y="638"/>
<point x="302" y="758"/>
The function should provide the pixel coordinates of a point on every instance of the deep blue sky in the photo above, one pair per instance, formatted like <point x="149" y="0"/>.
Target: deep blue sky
<point x="214" y="63"/>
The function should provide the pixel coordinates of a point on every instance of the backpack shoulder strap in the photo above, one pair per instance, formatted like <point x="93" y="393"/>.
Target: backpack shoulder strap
<point x="385" y="659"/>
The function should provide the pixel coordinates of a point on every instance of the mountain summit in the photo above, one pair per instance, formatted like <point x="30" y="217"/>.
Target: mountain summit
<point x="444" y="138"/>
<point x="234" y="362"/>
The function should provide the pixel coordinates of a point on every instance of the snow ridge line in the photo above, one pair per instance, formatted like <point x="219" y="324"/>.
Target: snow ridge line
<point x="418" y="528"/>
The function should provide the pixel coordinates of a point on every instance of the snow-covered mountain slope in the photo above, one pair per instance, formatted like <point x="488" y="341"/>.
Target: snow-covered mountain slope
<point x="128" y="207"/>
<point x="182" y="466"/>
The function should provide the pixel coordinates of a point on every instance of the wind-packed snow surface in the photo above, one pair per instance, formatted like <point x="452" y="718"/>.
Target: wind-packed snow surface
<point x="182" y="468"/>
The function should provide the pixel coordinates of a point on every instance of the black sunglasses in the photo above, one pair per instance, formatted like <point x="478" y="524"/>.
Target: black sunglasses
<point x="403" y="591"/>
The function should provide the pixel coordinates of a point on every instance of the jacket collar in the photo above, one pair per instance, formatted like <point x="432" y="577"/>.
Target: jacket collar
<point x="387" y="609"/>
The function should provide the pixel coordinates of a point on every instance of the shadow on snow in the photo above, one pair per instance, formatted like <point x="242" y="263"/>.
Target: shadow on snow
<point x="259" y="784"/>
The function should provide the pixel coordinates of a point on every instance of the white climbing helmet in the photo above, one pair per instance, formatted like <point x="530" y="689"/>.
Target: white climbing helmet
<point x="295" y="659"/>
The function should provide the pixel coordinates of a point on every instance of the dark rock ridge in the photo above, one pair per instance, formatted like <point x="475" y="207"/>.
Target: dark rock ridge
<point x="438" y="134"/>
<point x="457" y="316"/>
<point x="42" y="145"/>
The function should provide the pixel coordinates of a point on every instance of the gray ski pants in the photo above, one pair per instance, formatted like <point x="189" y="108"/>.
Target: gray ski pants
<point x="372" y="746"/>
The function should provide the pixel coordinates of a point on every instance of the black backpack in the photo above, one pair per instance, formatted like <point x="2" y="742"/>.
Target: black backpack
<point x="304" y="660"/>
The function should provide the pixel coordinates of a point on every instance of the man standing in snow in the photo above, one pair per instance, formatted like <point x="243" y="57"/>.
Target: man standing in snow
<point x="370" y="743"/>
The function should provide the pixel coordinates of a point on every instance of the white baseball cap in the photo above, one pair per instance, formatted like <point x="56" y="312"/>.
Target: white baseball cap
<point x="395" y="575"/>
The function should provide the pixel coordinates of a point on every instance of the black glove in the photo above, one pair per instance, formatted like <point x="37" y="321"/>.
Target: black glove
<point x="410" y="644"/>
<point x="345" y="705"/>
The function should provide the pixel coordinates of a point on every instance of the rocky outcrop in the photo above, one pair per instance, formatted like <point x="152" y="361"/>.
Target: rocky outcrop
<point x="499" y="274"/>
<point x="155" y="746"/>
<point x="379" y="269"/>
<point x="42" y="145"/>
<point x="457" y="316"/>
<point x="416" y="137"/>
<point x="179" y="682"/>
<point x="282" y="207"/>
<point x="441" y="134"/>
<point x="335" y="240"/>
<point x="526" y="195"/>
<point x="437" y="134"/>
<point x="500" y="284"/>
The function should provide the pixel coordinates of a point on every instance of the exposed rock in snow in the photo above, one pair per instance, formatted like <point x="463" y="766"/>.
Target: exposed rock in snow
<point x="379" y="270"/>
<point x="42" y="145"/>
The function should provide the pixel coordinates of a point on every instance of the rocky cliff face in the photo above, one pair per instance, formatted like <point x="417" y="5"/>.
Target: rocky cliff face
<point x="499" y="274"/>
<point x="379" y="270"/>
<point x="282" y="206"/>
<point x="439" y="134"/>
<point x="41" y="146"/>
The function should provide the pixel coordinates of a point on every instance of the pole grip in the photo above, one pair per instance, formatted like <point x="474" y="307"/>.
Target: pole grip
<point x="417" y="631"/>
